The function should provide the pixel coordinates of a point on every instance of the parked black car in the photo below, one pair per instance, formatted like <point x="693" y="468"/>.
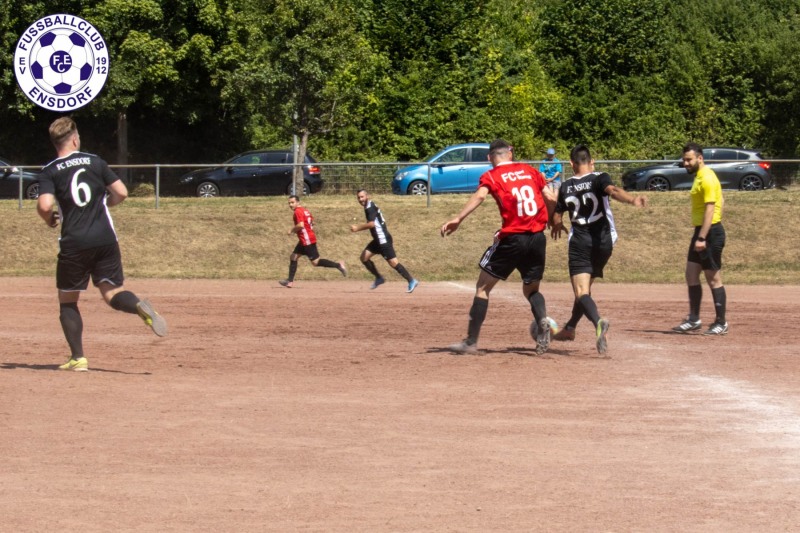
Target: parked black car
<point x="275" y="177"/>
<point x="736" y="168"/>
<point x="9" y="182"/>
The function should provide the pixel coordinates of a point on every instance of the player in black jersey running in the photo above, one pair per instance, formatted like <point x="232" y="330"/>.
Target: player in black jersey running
<point x="381" y="243"/>
<point x="84" y="187"/>
<point x="592" y="236"/>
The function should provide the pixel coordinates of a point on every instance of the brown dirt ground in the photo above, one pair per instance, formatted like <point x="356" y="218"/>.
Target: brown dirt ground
<point x="330" y="407"/>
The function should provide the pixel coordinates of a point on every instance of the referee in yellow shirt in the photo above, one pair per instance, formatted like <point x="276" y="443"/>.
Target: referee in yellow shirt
<point x="705" y="250"/>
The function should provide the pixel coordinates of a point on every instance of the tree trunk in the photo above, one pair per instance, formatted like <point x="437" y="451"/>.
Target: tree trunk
<point x="298" y="170"/>
<point x="122" y="146"/>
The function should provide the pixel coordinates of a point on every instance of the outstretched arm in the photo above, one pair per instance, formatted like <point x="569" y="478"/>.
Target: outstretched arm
<point x="472" y="204"/>
<point x="621" y="196"/>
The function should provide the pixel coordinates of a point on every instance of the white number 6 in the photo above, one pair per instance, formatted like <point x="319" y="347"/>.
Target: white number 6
<point x="76" y="188"/>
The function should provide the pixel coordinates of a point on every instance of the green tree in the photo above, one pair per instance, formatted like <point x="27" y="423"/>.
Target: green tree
<point x="307" y="70"/>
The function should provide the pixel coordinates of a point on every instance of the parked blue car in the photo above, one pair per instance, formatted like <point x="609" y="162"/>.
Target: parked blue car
<point x="456" y="168"/>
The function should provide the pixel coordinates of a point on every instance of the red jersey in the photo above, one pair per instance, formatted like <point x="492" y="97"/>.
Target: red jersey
<point x="306" y="235"/>
<point x="517" y="189"/>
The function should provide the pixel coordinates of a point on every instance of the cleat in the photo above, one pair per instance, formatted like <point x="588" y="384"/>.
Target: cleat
<point x="463" y="347"/>
<point x="151" y="318"/>
<point x="717" y="329"/>
<point x="687" y="325"/>
<point x="566" y="334"/>
<point x="602" y="335"/>
<point x="81" y="364"/>
<point x="377" y="283"/>
<point x="541" y="333"/>
<point x="342" y="269"/>
<point x="412" y="285"/>
<point x="286" y="283"/>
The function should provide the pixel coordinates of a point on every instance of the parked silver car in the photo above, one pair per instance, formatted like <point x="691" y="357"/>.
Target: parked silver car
<point x="736" y="168"/>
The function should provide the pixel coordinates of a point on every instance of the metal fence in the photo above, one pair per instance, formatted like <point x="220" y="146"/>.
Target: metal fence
<point x="163" y="180"/>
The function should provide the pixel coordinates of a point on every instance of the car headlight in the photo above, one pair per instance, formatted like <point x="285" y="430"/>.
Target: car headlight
<point x="401" y="175"/>
<point x="187" y="179"/>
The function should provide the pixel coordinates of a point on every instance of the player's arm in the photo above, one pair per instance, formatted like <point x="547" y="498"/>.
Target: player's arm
<point x="297" y="228"/>
<point x="361" y="227"/>
<point x="472" y="204"/>
<point x="556" y="225"/>
<point x="46" y="207"/>
<point x="708" y="217"/>
<point x="117" y="192"/>
<point x="621" y="195"/>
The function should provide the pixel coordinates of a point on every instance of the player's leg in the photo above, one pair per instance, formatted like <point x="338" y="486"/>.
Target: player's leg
<point x="477" y="313"/>
<point x="326" y="263"/>
<point x="293" y="258"/>
<point x="694" y="266"/>
<point x="391" y="258"/>
<point x="712" y="268"/>
<point x="72" y="277"/>
<point x="108" y="277"/>
<point x="72" y="326"/>
<point x="372" y="249"/>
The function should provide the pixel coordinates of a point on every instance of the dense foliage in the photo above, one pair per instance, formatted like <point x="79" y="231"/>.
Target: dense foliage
<point x="199" y="80"/>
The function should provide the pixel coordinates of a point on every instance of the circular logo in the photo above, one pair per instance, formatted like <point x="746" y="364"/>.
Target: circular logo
<point x="61" y="62"/>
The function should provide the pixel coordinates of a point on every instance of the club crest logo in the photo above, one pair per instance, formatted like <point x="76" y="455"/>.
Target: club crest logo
<point x="61" y="62"/>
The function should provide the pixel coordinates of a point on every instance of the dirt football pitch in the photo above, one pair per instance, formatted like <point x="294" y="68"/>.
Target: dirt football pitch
<point x="331" y="407"/>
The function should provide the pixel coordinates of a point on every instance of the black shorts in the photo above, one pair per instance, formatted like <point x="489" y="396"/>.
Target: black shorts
<point x="521" y="251"/>
<point x="103" y="263"/>
<point x="309" y="250"/>
<point x="589" y="253"/>
<point x="711" y="258"/>
<point x="386" y="249"/>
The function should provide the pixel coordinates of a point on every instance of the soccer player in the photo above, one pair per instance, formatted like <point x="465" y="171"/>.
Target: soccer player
<point x="84" y="188"/>
<point x="304" y="228"/>
<point x="525" y="202"/>
<point x="585" y="196"/>
<point x="705" y="248"/>
<point x="381" y="243"/>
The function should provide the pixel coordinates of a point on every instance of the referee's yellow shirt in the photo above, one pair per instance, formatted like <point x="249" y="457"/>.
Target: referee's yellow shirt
<point x="706" y="189"/>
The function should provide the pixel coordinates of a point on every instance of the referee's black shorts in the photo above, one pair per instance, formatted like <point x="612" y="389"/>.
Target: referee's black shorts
<point x="102" y="263"/>
<point x="521" y="251"/>
<point x="589" y="252"/>
<point x="309" y="250"/>
<point x="711" y="257"/>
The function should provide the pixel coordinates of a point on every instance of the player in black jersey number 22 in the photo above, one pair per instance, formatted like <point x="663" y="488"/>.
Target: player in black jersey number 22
<point x="592" y="235"/>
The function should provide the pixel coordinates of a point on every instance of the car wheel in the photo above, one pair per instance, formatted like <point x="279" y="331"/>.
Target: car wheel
<point x="658" y="183"/>
<point x="751" y="182"/>
<point x="306" y="189"/>
<point x="207" y="190"/>
<point x="32" y="192"/>
<point x="418" y="187"/>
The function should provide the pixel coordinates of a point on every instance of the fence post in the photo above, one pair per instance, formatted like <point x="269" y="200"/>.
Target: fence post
<point x="21" y="187"/>
<point x="428" y="188"/>
<point x="158" y="185"/>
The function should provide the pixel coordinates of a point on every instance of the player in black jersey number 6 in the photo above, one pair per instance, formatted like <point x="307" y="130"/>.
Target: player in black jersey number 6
<point x="84" y="188"/>
<point x="585" y="196"/>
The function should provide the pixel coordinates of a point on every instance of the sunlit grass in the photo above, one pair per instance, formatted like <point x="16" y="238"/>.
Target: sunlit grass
<point x="245" y="238"/>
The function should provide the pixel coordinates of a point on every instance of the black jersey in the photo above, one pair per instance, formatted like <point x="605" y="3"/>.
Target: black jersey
<point x="588" y="204"/>
<point x="380" y="232"/>
<point x="78" y="181"/>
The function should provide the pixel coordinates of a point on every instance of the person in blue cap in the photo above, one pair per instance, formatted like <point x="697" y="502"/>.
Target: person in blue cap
<point x="552" y="169"/>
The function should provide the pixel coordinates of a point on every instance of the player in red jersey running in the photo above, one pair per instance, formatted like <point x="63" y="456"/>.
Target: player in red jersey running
<point x="304" y="228"/>
<point x="525" y="204"/>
